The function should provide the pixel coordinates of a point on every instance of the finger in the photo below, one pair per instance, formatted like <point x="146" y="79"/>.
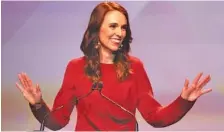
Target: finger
<point x="28" y="80"/>
<point x="24" y="80"/>
<point x="197" y="78"/>
<point x="204" y="82"/>
<point x="20" y="87"/>
<point x="21" y="80"/>
<point x="37" y="88"/>
<point x="186" y="83"/>
<point x="204" y="91"/>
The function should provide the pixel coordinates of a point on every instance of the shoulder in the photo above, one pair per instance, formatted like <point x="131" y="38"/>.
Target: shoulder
<point x="137" y="66"/>
<point x="135" y="62"/>
<point x="76" y="62"/>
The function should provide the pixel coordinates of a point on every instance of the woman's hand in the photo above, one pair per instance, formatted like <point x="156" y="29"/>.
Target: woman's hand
<point x="31" y="93"/>
<point x="195" y="90"/>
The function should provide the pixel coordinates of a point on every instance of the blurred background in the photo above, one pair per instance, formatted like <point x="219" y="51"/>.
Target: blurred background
<point x="175" y="40"/>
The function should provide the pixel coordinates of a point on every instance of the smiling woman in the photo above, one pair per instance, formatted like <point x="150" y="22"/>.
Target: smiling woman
<point x="108" y="84"/>
<point x="107" y="40"/>
<point x="113" y="30"/>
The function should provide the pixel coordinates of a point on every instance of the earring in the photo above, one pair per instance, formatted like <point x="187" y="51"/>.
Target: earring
<point x="120" y="47"/>
<point x="97" y="45"/>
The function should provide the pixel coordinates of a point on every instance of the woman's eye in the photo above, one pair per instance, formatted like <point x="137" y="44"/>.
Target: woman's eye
<point x="124" y="27"/>
<point x="113" y="26"/>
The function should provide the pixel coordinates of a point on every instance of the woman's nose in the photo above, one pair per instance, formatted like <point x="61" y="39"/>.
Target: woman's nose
<point x="118" y="32"/>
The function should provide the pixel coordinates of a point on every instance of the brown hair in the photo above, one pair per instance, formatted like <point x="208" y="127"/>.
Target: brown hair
<point x="91" y="38"/>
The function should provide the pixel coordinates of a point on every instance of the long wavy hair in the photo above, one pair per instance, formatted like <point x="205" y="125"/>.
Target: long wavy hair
<point x="91" y="39"/>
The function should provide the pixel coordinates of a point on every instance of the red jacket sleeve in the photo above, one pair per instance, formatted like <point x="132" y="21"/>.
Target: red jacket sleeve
<point x="65" y="97"/>
<point x="59" y="116"/>
<point x="151" y="110"/>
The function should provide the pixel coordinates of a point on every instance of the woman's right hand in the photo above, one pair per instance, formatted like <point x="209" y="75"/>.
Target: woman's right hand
<point x="31" y="93"/>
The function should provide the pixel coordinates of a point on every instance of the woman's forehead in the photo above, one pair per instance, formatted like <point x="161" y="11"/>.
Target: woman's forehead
<point x="115" y="17"/>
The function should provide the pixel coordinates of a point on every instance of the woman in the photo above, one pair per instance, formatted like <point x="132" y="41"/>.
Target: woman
<point x="108" y="84"/>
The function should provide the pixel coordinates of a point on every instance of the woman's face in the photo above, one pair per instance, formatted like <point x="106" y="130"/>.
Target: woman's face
<point x="113" y="30"/>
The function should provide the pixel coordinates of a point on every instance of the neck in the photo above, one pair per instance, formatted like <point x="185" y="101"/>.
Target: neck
<point x="106" y="56"/>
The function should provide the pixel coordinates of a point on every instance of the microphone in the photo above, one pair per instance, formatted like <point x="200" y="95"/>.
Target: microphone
<point x="100" y="86"/>
<point x="94" y="87"/>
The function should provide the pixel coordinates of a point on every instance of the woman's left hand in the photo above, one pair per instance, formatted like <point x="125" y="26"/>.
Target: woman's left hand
<point x="195" y="90"/>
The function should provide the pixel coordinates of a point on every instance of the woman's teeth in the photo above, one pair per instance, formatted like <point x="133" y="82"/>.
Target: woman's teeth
<point x="116" y="40"/>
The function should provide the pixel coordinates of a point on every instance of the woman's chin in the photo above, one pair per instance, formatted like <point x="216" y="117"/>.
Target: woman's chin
<point x="114" y="49"/>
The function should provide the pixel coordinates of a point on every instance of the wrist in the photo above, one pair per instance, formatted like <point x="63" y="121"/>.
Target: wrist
<point x="38" y="104"/>
<point x="183" y="97"/>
